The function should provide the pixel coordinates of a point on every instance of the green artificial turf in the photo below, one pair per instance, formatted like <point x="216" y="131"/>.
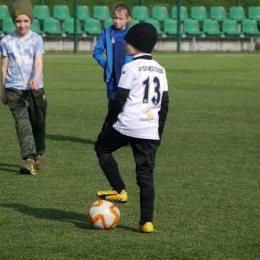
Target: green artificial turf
<point x="206" y="176"/>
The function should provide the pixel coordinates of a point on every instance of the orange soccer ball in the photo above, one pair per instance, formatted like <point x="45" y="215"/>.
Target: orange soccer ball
<point x="103" y="214"/>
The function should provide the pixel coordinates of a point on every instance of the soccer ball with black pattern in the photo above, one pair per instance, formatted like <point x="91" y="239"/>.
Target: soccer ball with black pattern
<point x="103" y="214"/>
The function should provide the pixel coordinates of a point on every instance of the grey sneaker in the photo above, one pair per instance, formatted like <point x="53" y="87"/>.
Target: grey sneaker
<point x="29" y="167"/>
<point x="40" y="162"/>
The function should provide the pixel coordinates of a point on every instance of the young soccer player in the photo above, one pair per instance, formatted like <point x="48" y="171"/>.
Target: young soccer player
<point x="137" y="115"/>
<point x="111" y="41"/>
<point x="22" y="86"/>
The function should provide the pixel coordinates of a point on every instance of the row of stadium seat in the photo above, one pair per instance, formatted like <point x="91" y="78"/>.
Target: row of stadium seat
<point x="198" y="13"/>
<point x="141" y="13"/>
<point x="52" y="26"/>
<point x="92" y="26"/>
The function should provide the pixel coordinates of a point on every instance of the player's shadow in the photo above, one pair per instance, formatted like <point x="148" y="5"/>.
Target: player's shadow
<point x="4" y="165"/>
<point x="79" y="220"/>
<point x="69" y="138"/>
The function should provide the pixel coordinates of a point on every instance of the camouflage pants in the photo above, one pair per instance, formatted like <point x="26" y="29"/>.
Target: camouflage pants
<point x="29" y="111"/>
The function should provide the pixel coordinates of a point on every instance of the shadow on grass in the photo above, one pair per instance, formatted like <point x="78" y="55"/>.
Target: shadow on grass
<point x="79" y="220"/>
<point x="69" y="138"/>
<point x="3" y="165"/>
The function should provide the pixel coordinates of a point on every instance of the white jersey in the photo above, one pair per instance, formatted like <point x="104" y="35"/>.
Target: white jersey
<point x="146" y="80"/>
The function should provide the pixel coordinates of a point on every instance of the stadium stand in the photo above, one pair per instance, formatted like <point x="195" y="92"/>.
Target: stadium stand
<point x="108" y="22"/>
<point x="231" y="28"/>
<point x="101" y="12"/>
<point x="133" y="22"/>
<point x="41" y="12"/>
<point x="83" y="12"/>
<point x="218" y="13"/>
<point x="69" y="27"/>
<point x="254" y="13"/>
<point x="249" y="27"/>
<point x="211" y="28"/>
<point x="160" y="13"/>
<point x="156" y="24"/>
<point x="184" y="14"/>
<point x="199" y="13"/>
<point x="8" y="25"/>
<point x="170" y="27"/>
<point x="61" y="12"/>
<point x="199" y="31"/>
<point x="192" y="27"/>
<point x="52" y="26"/>
<point x="92" y="26"/>
<point x="237" y="13"/>
<point x="140" y="13"/>
<point x="36" y="27"/>
<point x="4" y="12"/>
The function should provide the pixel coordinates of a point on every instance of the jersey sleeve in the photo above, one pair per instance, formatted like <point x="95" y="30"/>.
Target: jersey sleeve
<point x="127" y="77"/>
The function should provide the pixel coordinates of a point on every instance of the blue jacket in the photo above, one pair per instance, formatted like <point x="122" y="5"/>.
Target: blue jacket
<point x="104" y="43"/>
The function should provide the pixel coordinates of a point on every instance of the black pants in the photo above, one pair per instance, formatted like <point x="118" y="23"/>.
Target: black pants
<point x="144" y="152"/>
<point x="29" y="111"/>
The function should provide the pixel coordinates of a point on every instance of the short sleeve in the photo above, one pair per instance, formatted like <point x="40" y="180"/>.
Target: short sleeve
<point x="127" y="77"/>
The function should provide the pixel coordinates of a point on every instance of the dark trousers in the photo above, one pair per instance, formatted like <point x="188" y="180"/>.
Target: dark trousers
<point x="144" y="152"/>
<point x="29" y="111"/>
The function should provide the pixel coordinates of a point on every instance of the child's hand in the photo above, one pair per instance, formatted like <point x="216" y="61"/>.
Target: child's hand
<point x="4" y="99"/>
<point x="34" y="85"/>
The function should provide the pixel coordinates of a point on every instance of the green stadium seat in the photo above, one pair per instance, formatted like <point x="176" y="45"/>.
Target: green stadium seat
<point x="218" y="13"/>
<point x="4" y="13"/>
<point x="249" y="27"/>
<point x="192" y="27"/>
<point x="52" y="26"/>
<point x="237" y="13"/>
<point x="8" y="25"/>
<point x="156" y="24"/>
<point x="133" y="22"/>
<point x="92" y="26"/>
<point x="108" y="22"/>
<point x="35" y="27"/>
<point x="160" y="13"/>
<point x="231" y="28"/>
<point x="199" y="13"/>
<point x="101" y="12"/>
<point x="254" y="13"/>
<point x="61" y="12"/>
<point x="140" y="13"/>
<point x="184" y="13"/>
<point x="83" y="12"/>
<point x="211" y="27"/>
<point x="170" y="27"/>
<point x="69" y="27"/>
<point x="41" y="12"/>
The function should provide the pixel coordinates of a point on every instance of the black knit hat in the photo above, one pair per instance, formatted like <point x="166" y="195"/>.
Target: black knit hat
<point x="22" y="7"/>
<point x="142" y="36"/>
